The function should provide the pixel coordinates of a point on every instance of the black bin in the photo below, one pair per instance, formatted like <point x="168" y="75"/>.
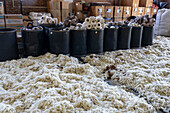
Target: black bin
<point x="124" y="37"/>
<point x="46" y="35"/>
<point x="148" y="33"/>
<point x="59" y="42"/>
<point x="95" y="40"/>
<point x="110" y="39"/>
<point x="136" y="38"/>
<point x="8" y="44"/>
<point x="32" y="42"/>
<point x="78" y="40"/>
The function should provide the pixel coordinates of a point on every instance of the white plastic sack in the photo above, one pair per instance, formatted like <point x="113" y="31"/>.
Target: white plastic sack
<point x="162" y="26"/>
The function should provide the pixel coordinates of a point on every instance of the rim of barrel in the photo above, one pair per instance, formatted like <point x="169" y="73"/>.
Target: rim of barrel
<point x="149" y="26"/>
<point x="31" y="30"/>
<point x="95" y="29"/>
<point x="7" y="30"/>
<point x="46" y="25"/>
<point x="78" y="30"/>
<point x="57" y="30"/>
<point x="136" y="26"/>
<point x="116" y="28"/>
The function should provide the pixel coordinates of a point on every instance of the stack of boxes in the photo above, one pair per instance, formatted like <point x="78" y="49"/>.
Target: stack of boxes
<point x="14" y="21"/>
<point x="59" y="9"/>
<point x="78" y="9"/>
<point x="109" y="11"/>
<point x="122" y="10"/>
<point x="118" y="13"/>
<point x="2" y="22"/>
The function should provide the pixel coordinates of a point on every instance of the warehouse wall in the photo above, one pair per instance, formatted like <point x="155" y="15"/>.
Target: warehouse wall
<point x="13" y="6"/>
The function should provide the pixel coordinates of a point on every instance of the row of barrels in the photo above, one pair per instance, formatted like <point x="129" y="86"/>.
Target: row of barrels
<point x="76" y="43"/>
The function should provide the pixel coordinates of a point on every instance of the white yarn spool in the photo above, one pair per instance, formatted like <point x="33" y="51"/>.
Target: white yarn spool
<point x="98" y="24"/>
<point x="87" y="20"/>
<point x="92" y="19"/>
<point x="55" y="20"/>
<point x="89" y="26"/>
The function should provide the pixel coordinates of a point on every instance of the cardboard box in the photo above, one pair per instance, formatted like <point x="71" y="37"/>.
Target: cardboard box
<point x="117" y="19"/>
<point x="154" y="11"/>
<point x="148" y="11"/>
<point x="70" y="8"/>
<point x="118" y="12"/>
<point x="48" y="5"/>
<point x="65" y="5"/>
<point x="1" y="8"/>
<point x="135" y="11"/>
<point x="97" y="11"/>
<point x="79" y="14"/>
<point x="109" y="11"/>
<point x="145" y="3"/>
<point x="134" y="3"/>
<point x="127" y="11"/>
<point x="141" y="11"/>
<point x="65" y="13"/>
<point x="13" y="20"/>
<point x="78" y="6"/>
<point x="55" y="5"/>
<point x="2" y="21"/>
<point x="56" y="14"/>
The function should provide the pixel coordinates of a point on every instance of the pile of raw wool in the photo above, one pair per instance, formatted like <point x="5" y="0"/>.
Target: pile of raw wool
<point x="146" y="70"/>
<point x="50" y="84"/>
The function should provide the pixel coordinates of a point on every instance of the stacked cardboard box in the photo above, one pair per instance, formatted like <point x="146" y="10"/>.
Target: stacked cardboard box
<point x="78" y="9"/>
<point x="141" y="11"/>
<point x="2" y="21"/>
<point x="127" y="12"/>
<point x="55" y="9"/>
<point x="14" y="21"/>
<point x="134" y="3"/>
<point x="1" y="8"/>
<point x="118" y="13"/>
<point x="145" y="3"/>
<point x="154" y="11"/>
<point x="59" y="9"/>
<point x="148" y="11"/>
<point x="65" y="9"/>
<point x="109" y="11"/>
<point x="98" y="11"/>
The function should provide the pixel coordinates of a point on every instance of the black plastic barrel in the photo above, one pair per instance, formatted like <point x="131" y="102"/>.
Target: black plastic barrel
<point x="59" y="42"/>
<point x="136" y="38"/>
<point x="32" y="42"/>
<point x="148" y="33"/>
<point x="124" y="37"/>
<point x="8" y="44"/>
<point x="110" y="39"/>
<point x="95" y="39"/>
<point x="46" y="35"/>
<point x="78" y="40"/>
